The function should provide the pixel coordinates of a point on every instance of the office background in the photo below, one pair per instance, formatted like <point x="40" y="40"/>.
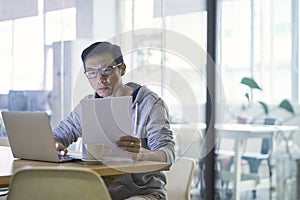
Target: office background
<point x="41" y="42"/>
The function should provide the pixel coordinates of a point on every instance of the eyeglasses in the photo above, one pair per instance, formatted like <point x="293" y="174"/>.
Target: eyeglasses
<point x="104" y="71"/>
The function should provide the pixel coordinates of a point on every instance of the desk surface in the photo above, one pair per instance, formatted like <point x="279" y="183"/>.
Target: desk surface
<point x="8" y="165"/>
<point x="255" y="127"/>
<point x="251" y="130"/>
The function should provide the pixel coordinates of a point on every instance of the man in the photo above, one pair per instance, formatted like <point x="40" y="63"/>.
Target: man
<point x="104" y="67"/>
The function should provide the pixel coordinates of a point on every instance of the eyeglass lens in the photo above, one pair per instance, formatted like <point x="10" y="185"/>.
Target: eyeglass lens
<point x="107" y="71"/>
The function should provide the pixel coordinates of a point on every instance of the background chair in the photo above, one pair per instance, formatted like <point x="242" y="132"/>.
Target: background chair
<point x="255" y="159"/>
<point x="189" y="144"/>
<point x="57" y="183"/>
<point x="255" y="152"/>
<point x="179" y="179"/>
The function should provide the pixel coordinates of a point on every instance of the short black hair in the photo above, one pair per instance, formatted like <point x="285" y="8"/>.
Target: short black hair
<point x="100" y="48"/>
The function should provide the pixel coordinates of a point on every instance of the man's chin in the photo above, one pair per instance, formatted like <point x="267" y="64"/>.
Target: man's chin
<point x="104" y="94"/>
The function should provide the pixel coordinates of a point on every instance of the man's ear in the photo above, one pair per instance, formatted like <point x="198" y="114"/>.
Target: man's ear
<point x="123" y="69"/>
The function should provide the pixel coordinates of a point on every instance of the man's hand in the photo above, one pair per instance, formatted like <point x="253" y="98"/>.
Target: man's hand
<point x="129" y="143"/>
<point x="61" y="149"/>
<point x="133" y="145"/>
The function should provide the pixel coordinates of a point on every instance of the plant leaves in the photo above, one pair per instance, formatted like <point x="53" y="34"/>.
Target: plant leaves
<point x="265" y="107"/>
<point x="250" y="82"/>
<point x="285" y="104"/>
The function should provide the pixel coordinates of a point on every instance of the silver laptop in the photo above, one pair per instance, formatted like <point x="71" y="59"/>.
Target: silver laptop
<point x="30" y="136"/>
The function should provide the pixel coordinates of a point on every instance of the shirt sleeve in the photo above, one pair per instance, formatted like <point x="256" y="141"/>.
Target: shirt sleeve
<point x="69" y="129"/>
<point x="158" y="132"/>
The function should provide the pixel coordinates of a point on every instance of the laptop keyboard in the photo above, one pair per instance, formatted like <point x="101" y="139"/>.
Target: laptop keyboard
<point x="69" y="158"/>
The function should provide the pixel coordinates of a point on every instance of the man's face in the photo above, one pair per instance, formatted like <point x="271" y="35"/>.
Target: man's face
<point x="105" y="86"/>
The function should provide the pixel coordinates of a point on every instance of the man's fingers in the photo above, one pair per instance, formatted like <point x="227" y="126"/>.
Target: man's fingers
<point x="129" y="138"/>
<point x="62" y="152"/>
<point x="129" y="144"/>
<point x="61" y="149"/>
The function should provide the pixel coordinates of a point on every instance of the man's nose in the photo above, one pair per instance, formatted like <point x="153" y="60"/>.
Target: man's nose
<point x="101" y="77"/>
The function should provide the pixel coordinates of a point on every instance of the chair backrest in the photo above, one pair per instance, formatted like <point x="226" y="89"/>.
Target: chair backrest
<point x="189" y="142"/>
<point x="179" y="179"/>
<point x="57" y="183"/>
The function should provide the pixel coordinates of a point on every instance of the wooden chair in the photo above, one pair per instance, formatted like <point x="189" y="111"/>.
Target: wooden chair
<point x="179" y="179"/>
<point x="57" y="183"/>
<point x="189" y="143"/>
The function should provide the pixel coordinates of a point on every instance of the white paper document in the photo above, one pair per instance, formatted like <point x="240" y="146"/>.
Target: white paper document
<point x="104" y="121"/>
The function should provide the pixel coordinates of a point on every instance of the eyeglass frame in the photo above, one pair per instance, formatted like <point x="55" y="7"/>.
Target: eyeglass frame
<point x="102" y="70"/>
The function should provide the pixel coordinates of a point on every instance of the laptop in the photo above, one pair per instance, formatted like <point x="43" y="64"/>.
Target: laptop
<point x="30" y="137"/>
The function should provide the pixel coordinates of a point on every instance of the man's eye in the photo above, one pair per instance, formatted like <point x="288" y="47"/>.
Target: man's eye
<point x="107" y="70"/>
<point x="92" y="72"/>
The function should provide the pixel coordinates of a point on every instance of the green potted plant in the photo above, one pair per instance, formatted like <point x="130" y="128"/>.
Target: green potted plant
<point x="252" y="84"/>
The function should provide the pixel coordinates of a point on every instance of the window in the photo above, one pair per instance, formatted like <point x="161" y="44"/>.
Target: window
<point x="165" y="69"/>
<point x="26" y="53"/>
<point x="255" y="40"/>
<point x="60" y="25"/>
<point x="6" y="56"/>
<point x="28" y="57"/>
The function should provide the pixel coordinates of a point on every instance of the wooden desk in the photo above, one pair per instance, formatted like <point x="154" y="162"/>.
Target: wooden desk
<point x="241" y="132"/>
<point x="8" y="165"/>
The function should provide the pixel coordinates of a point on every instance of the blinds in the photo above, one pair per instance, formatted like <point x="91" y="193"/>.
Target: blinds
<point x="14" y="9"/>
<point x="50" y="5"/>
<point x="176" y="7"/>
